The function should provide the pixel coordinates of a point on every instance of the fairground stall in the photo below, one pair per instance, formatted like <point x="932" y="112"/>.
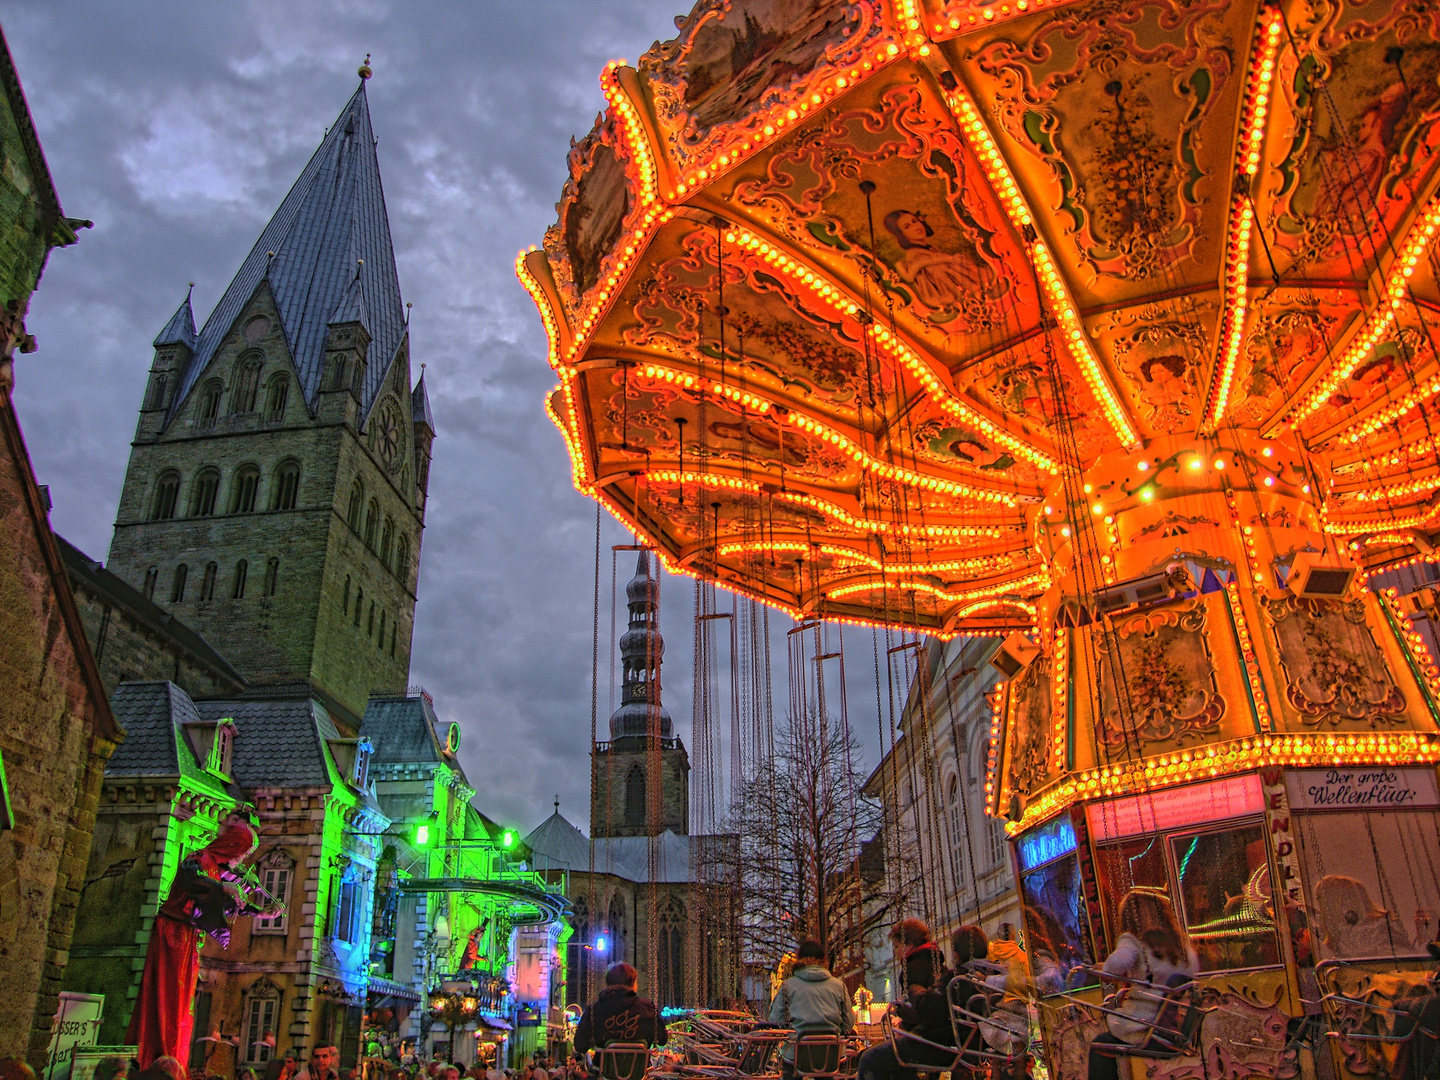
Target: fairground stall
<point x="1105" y="327"/>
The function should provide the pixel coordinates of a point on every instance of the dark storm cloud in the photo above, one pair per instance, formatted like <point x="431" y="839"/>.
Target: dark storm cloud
<point x="178" y="127"/>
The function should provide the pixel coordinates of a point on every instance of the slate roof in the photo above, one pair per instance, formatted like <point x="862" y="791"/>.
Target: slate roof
<point x="102" y="582"/>
<point x="420" y="405"/>
<point x="153" y="715"/>
<point x="557" y="844"/>
<point x="277" y="743"/>
<point x="180" y="330"/>
<point x="403" y="729"/>
<point x="332" y="218"/>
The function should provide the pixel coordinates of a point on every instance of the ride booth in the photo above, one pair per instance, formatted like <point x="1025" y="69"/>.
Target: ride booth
<point x="1254" y="754"/>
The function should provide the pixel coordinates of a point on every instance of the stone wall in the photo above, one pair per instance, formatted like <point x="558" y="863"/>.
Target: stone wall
<point x="56" y="731"/>
<point x="612" y="765"/>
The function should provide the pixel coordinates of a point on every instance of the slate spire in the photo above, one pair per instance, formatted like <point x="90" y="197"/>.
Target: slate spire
<point x="420" y="404"/>
<point x="180" y="330"/>
<point x="333" y="218"/>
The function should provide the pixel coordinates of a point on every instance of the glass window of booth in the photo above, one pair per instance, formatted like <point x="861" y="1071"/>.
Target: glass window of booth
<point x="1216" y="879"/>
<point x="1369" y="846"/>
<point x="1055" y="913"/>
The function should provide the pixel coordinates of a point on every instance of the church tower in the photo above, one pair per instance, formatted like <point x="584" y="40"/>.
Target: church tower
<point x="643" y="750"/>
<point x="275" y="495"/>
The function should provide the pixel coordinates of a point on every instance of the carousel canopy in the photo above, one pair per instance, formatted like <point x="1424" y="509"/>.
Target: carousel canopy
<point x="857" y="306"/>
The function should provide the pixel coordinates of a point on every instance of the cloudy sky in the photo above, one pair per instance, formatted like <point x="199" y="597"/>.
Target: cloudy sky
<point x="177" y="128"/>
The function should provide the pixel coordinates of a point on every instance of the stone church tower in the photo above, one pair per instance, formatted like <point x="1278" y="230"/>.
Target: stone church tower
<point x="275" y="495"/>
<point x="641" y="733"/>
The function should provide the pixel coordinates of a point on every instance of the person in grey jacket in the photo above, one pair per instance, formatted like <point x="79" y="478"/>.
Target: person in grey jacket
<point x="810" y="1002"/>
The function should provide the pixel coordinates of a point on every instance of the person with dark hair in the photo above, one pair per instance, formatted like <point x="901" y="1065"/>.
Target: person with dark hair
<point x="324" y="1064"/>
<point x="620" y="1014"/>
<point x="924" y="1014"/>
<point x="1151" y="956"/>
<point x="810" y="1002"/>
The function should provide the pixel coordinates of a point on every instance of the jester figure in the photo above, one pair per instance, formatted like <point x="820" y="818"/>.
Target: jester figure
<point x="204" y="898"/>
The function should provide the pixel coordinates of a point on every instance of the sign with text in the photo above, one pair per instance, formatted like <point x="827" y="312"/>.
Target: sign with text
<point x="1363" y="787"/>
<point x="1176" y="808"/>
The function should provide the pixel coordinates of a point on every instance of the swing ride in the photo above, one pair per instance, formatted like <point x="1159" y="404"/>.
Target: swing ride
<point x="1106" y="327"/>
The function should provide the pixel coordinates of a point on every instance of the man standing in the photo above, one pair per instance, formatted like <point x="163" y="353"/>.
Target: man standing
<point x="324" y="1064"/>
<point x="810" y="1002"/>
<point x="620" y="1014"/>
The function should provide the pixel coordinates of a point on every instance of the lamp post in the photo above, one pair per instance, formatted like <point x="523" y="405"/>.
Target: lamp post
<point x="454" y="1008"/>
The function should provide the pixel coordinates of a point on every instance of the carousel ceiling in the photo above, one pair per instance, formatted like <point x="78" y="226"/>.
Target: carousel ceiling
<point x="843" y="292"/>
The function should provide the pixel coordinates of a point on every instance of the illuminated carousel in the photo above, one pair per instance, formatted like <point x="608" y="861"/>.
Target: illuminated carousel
<point x="1108" y="328"/>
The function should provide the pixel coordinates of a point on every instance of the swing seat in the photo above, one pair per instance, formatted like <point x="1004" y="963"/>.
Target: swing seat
<point x="818" y="1055"/>
<point x="623" y="1061"/>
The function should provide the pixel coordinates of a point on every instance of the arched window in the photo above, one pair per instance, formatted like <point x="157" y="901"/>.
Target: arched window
<point x="380" y="639"/>
<point x="957" y="831"/>
<point x="580" y="966"/>
<point x="635" y="796"/>
<point x="152" y="575"/>
<point x="207" y="583"/>
<point x="242" y="571"/>
<point x="372" y="523"/>
<point x="276" y="396"/>
<point x="167" y="492"/>
<point x="392" y="639"/>
<point x="210" y="402"/>
<point x="615" y="924"/>
<point x="202" y="495"/>
<point x="177" y="585"/>
<point x="247" y="384"/>
<point x="243" y="489"/>
<point x="272" y="576"/>
<point x="285" y="492"/>
<point x="671" y="966"/>
<point x="357" y="503"/>
<point x="158" y="382"/>
<point x="387" y="540"/>
<point x="402" y="560"/>
<point x="370" y="621"/>
<point x="359" y="602"/>
<point x="345" y="604"/>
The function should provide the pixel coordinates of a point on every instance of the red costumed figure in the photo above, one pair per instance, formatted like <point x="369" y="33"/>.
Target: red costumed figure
<point x="199" y="903"/>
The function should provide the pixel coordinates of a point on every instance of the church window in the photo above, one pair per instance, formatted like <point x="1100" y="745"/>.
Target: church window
<point x="158" y="382"/>
<point x="210" y="402"/>
<point x="272" y="576"/>
<point x="372" y="521"/>
<point x="243" y="489"/>
<point x="672" y="953"/>
<point x="247" y="384"/>
<point x="276" y="397"/>
<point x="339" y="383"/>
<point x="387" y="541"/>
<point x="242" y="571"/>
<point x="402" y="559"/>
<point x="177" y="586"/>
<point x="616" y="920"/>
<point x="357" y="501"/>
<point x="635" y="796"/>
<point x="152" y="574"/>
<point x="359" y="603"/>
<point x="392" y="639"/>
<point x="345" y="604"/>
<point x="202" y="496"/>
<point x="167" y="492"/>
<point x="207" y="583"/>
<point x="380" y="640"/>
<point x="370" y="622"/>
<point x="286" y="491"/>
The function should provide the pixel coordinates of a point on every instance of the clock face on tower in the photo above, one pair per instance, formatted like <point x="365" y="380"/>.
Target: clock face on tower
<point x="387" y="437"/>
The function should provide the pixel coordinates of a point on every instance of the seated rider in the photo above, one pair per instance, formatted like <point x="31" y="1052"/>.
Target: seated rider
<point x="620" y="1014"/>
<point x="810" y="1002"/>
<point x="925" y="1013"/>
<point x="1152" y="955"/>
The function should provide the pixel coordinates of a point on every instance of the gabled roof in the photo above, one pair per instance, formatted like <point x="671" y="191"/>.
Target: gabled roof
<point x="332" y="220"/>
<point x="403" y="729"/>
<point x="111" y="587"/>
<point x="180" y="330"/>
<point x="277" y="743"/>
<point x="420" y="405"/>
<point x="558" y="845"/>
<point x="154" y="715"/>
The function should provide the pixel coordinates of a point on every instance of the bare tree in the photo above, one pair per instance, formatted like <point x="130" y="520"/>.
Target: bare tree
<point x="801" y="824"/>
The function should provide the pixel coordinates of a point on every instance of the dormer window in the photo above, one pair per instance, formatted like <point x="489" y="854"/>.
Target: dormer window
<point x="221" y="750"/>
<point x="362" y="764"/>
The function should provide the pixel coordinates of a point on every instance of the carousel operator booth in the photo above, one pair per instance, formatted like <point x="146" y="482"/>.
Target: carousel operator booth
<point x="1107" y="328"/>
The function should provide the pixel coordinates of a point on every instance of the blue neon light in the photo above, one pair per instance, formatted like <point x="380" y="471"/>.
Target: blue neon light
<point x="1047" y="843"/>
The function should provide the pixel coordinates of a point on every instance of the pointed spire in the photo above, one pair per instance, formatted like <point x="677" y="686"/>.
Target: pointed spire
<point x="180" y="330"/>
<point x="420" y="404"/>
<point x="332" y="219"/>
<point x="642" y="649"/>
<point x="352" y="306"/>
